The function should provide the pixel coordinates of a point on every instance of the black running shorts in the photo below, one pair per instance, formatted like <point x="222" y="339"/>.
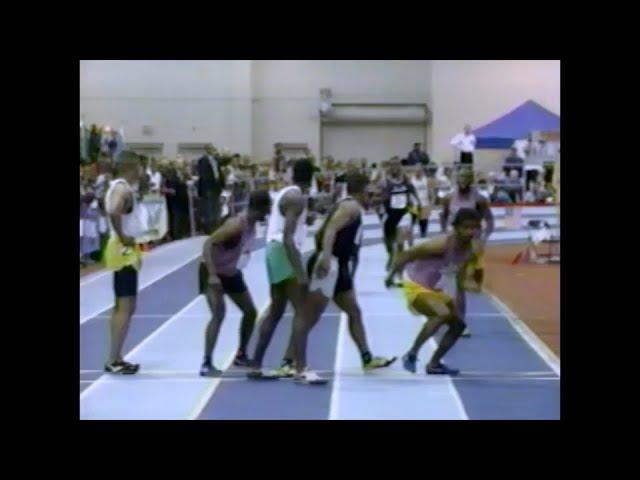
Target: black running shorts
<point x="232" y="284"/>
<point x="344" y="280"/>
<point x="393" y="219"/>
<point x="125" y="282"/>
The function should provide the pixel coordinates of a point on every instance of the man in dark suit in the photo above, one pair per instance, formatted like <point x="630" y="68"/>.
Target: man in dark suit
<point x="417" y="156"/>
<point x="210" y="186"/>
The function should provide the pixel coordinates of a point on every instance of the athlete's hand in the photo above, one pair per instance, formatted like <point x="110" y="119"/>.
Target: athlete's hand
<point x="303" y="280"/>
<point x="388" y="282"/>
<point x="214" y="282"/>
<point x="322" y="267"/>
<point x="128" y="241"/>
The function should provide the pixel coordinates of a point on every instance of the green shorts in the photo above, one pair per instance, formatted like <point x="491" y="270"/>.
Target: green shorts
<point x="279" y="267"/>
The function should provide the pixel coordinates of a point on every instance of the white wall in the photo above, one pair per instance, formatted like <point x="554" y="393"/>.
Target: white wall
<point x="185" y="101"/>
<point x="287" y="92"/>
<point x="247" y="106"/>
<point x="479" y="91"/>
<point x="376" y="143"/>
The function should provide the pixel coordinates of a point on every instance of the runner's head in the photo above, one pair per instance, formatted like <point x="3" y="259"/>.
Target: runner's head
<point x="303" y="173"/>
<point x="466" y="224"/>
<point x="465" y="179"/>
<point x="128" y="166"/>
<point x="395" y="167"/>
<point x="357" y="185"/>
<point x="259" y="204"/>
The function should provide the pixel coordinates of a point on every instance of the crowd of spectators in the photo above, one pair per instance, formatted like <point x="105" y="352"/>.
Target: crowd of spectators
<point x="200" y="191"/>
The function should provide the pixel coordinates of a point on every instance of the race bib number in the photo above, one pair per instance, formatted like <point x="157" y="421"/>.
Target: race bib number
<point x="399" y="201"/>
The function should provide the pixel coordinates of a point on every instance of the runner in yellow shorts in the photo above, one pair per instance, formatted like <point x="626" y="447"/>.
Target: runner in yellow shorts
<point x="435" y="284"/>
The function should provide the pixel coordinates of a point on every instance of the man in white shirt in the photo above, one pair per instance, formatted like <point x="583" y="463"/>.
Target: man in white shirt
<point x="465" y="143"/>
<point x="155" y="177"/>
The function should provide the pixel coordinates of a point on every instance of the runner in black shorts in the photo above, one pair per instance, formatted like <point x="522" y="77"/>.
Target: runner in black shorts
<point x="224" y="254"/>
<point x="397" y="193"/>
<point x="330" y="277"/>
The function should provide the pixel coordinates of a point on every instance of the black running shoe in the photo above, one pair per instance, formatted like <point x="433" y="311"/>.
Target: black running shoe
<point x="208" y="370"/>
<point x="441" y="369"/>
<point x="122" y="368"/>
<point x="242" y="360"/>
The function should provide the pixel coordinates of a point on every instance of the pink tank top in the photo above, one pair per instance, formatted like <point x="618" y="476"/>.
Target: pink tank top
<point x="226" y="255"/>
<point x="459" y="202"/>
<point x="439" y="273"/>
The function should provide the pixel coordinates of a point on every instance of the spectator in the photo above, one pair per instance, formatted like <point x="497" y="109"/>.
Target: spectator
<point x="522" y="146"/>
<point x="210" y="185"/>
<point x="513" y="186"/>
<point x="155" y="177"/>
<point x="89" y="235"/>
<point x="175" y="187"/>
<point x="465" y="143"/>
<point x="513" y="162"/>
<point x="417" y="156"/>
<point x="500" y="191"/>
<point x="484" y="189"/>
<point x="95" y="136"/>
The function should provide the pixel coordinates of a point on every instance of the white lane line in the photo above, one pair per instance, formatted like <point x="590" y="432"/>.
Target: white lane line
<point x="395" y="314"/>
<point x="454" y="391"/>
<point x="413" y="378"/>
<point x="206" y="396"/>
<point x="527" y="334"/>
<point x="335" y="388"/>
<point x="145" y="341"/>
<point x="100" y="274"/>
<point x="157" y="315"/>
<point x="143" y="286"/>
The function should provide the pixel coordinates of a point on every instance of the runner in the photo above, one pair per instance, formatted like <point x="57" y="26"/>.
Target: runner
<point x="421" y="186"/>
<point x="224" y="254"/>
<point x="467" y="196"/>
<point x="397" y="192"/>
<point x="123" y="256"/>
<point x="287" y="276"/>
<point x="337" y="242"/>
<point x="435" y="284"/>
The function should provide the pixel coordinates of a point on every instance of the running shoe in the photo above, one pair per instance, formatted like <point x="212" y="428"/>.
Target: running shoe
<point x="122" y="368"/>
<point x="441" y="369"/>
<point x="241" y="360"/>
<point x="286" y="370"/>
<point x="208" y="370"/>
<point x="466" y="333"/>
<point x="309" y="377"/>
<point x="378" y="362"/>
<point x="409" y="362"/>
<point x="260" y="375"/>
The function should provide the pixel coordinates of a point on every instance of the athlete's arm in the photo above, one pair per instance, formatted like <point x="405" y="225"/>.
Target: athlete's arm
<point x="343" y="216"/>
<point x="424" y="250"/>
<point x="487" y="215"/>
<point x="292" y="207"/>
<point x="119" y="197"/>
<point x="228" y="230"/>
<point x="444" y="216"/>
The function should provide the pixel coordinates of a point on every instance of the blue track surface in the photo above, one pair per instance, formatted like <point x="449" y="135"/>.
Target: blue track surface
<point x="502" y="376"/>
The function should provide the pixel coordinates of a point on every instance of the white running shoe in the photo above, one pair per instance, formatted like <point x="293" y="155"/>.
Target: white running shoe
<point x="309" y="377"/>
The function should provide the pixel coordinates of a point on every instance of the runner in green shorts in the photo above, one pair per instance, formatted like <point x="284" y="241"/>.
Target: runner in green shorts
<point x="286" y="233"/>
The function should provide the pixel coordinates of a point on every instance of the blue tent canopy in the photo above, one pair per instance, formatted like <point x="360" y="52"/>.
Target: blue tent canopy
<point x="528" y="117"/>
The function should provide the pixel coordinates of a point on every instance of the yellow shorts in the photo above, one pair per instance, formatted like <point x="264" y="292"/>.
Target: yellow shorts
<point x="117" y="256"/>
<point x="412" y="290"/>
